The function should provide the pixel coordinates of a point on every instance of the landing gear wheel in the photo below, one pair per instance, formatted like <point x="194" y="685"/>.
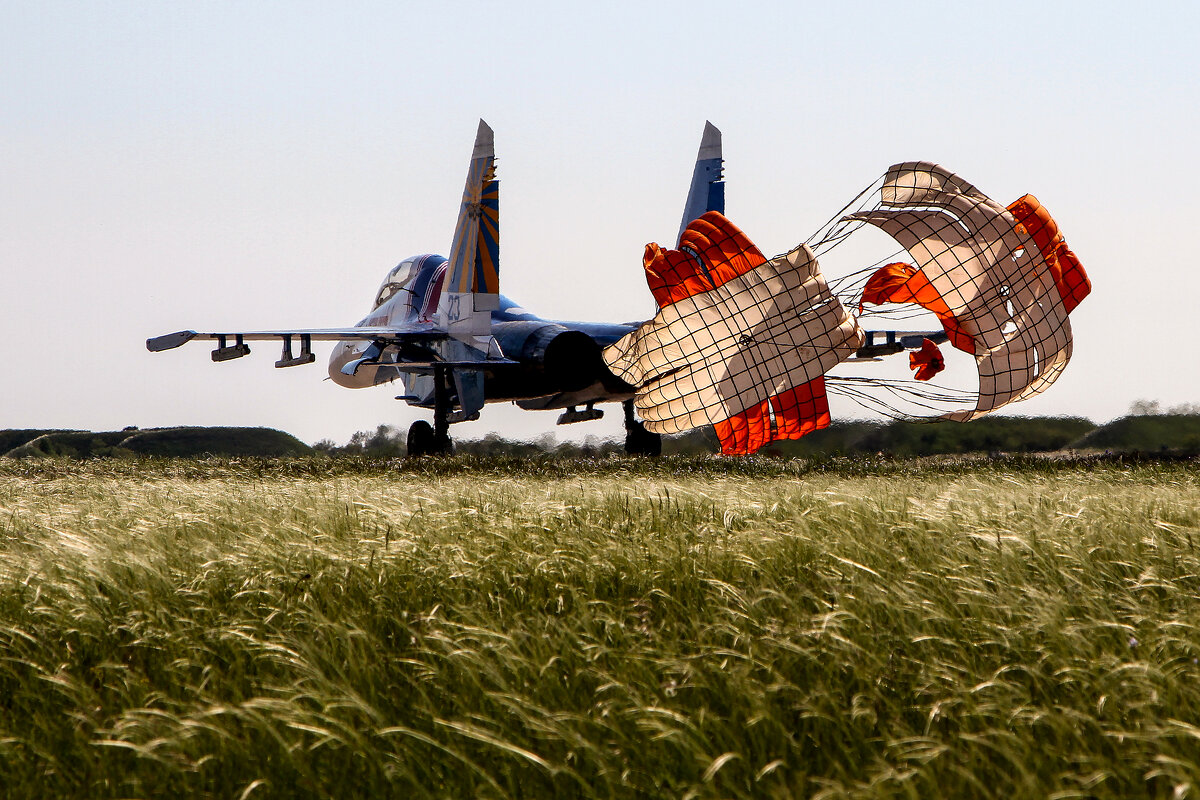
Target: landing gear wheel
<point x="638" y="440"/>
<point x="442" y="446"/>
<point x="641" y="442"/>
<point x="420" y="438"/>
<point x="423" y="440"/>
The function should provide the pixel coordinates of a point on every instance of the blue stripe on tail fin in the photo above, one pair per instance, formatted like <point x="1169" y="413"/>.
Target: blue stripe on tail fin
<point x="707" y="192"/>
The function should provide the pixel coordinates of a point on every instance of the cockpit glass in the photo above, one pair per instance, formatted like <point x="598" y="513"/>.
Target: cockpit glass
<point x="399" y="278"/>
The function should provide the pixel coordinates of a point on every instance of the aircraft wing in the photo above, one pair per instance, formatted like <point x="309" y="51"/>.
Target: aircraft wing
<point x="408" y="333"/>
<point x="422" y="345"/>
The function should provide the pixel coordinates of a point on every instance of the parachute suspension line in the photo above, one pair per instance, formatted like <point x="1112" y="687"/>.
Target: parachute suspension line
<point x="894" y="313"/>
<point x="849" y="287"/>
<point x="838" y="227"/>
<point x="923" y="390"/>
<point x="915" y="394"/>
<point x="867" y="401"/>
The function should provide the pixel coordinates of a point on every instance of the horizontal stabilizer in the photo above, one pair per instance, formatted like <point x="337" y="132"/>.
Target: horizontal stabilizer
<point x="912" y="341"/>
<point x="886" y="343"/>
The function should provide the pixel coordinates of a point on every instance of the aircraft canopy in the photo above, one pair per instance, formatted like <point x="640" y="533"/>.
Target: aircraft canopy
<point x="399" y="278"/>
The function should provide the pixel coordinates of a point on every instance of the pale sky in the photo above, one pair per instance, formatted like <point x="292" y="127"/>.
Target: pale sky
<point x="247" y="165"/>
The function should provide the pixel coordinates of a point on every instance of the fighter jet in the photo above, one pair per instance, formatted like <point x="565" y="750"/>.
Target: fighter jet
<point x="440" y="325"/>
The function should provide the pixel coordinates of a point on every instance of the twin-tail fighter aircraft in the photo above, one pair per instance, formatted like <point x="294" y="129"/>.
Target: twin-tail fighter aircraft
<point x="741" y="342"/>
<point x="441" y="325"/>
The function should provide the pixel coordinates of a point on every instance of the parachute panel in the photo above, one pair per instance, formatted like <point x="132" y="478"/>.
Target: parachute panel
<point x="735" y="340"/>
<point x="904" y="283"/>
<point x="1069" y="277"/>
<point x="1004" y="282"/>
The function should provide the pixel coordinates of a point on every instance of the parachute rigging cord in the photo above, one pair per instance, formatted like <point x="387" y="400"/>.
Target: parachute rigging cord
<point x="1000" y="281"/>
<point x="746" y="344"/>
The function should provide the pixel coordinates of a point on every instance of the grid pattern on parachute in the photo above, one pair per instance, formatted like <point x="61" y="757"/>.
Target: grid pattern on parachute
<point x="1001" y="280"/>
<point x="744" y="343"/>
<point x="740" y="342"/>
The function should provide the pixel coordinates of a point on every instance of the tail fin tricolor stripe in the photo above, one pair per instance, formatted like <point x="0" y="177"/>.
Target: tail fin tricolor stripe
<point x="487" y="264"/>
<point x="472" y="286"/>
<point x="477" y="232"/>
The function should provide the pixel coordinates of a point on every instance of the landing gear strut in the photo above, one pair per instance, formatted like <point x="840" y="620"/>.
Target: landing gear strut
<point x="638" y="440"/>
<point x="434" y="440"/>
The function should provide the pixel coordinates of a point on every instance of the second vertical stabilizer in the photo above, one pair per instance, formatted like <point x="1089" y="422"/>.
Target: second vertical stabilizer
<point x="707" y="192"/>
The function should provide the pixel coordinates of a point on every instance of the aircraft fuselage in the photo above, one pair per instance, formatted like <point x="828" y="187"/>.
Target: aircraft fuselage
<point x="558" y="363"/>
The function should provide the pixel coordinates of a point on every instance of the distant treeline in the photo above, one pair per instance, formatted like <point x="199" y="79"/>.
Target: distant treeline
<point x="1156" y="433"/>
<point x="1138" y="433"/>
<point x="178" y="442"/>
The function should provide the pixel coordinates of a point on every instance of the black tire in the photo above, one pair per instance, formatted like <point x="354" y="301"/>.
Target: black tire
<point x="442" y="446"/>
<point x="641" y="442"/>
<point x="420" y="438"/>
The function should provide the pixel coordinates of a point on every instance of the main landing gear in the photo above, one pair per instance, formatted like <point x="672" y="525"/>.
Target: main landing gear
<point x="424" y="441"/>
<point x="638" y="440"/>
<point x="434" y="440"/>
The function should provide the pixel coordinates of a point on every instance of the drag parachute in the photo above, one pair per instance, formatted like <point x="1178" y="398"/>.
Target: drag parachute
<point x="744" y="343"/>
<point x="1000" y="280"/>
<point x="740" y="342"/>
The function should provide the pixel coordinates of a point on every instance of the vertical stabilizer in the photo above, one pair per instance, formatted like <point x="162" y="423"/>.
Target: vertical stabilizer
<point x="707" y="192"/>
<point x="472" y="287"/>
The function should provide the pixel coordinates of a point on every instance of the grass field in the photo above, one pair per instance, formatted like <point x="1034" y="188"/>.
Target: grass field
<point x="676" y="628"/>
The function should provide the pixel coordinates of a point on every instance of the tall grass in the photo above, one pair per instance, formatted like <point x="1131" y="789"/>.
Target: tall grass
<point x="680" y="628"/>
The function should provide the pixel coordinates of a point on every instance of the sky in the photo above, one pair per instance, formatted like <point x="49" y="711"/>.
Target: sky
<point x="250" y="165"/>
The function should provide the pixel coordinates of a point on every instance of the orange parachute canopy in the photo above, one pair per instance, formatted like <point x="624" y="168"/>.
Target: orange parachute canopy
<point x="1000" y="279"/>
<point x="1069" y="278"/>
<point x="903" y="283"/>
<point x="797" y="412"/>
<point x="927" y="361"/>
<point x="712" y="251"/>
<point x="740" y="342"/>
